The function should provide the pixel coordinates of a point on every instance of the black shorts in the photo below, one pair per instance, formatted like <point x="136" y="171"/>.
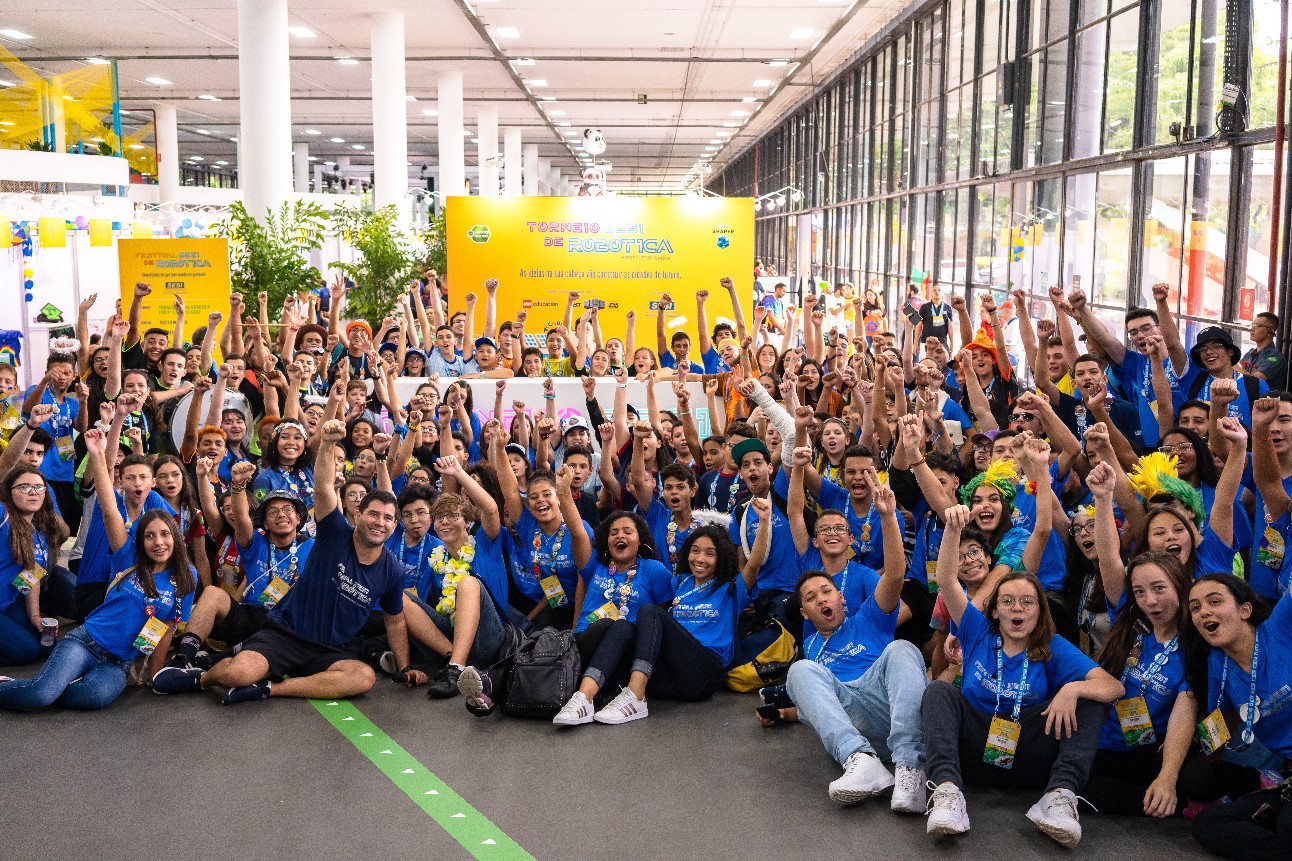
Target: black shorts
<point x="290" y="654"/>
<point x="89" y="596"/>
<point x="242" y="621"/>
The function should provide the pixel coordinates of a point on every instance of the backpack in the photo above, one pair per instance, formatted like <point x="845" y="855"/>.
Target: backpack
<point x="781" y="505"/>
<point x="1252" y="385"/>
<point x="544" y="674"/>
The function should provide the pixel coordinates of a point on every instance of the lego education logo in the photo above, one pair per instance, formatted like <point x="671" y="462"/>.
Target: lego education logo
<point x="479" y="233"/>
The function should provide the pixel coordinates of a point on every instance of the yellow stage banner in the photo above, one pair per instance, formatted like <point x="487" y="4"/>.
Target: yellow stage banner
<point x="624" y="251"/>
<point x="197" y="269"/>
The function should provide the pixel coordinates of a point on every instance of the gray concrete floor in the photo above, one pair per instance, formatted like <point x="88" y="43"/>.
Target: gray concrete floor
<point x="260" y="781"/>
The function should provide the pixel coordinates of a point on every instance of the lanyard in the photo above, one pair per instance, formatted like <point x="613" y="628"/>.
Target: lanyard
<point x="731" y="491"/>
<point x="421" y="551"/>
<point x="625" y="591"/>
<point x="1154" y="668"/>
<point x="38" y="544"/>
<point x="821" y="657"/>
<point x="1000" y="680"/>
<point x="289" y="557"/>
<point x="697" y="588"/>
<point x="557" y="540"/>
<point x="1247" y="736"/>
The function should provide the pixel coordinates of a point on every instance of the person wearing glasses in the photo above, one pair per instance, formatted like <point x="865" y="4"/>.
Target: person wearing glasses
<point x="1030" y="706"/>
<point x="1264" y="360"/>
<point x="29" y="532"/>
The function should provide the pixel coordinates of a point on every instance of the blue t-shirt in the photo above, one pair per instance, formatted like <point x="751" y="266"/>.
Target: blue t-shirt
<point x="96" y="566"/>
<point x="651" y="584"/>
<point x="710" y="613"/>
<point x="1242" y="523"/>
<point x="713" y="363"/>
<point x="414" y="561"/>
<point x="928" y="541"/>
<point x="1272" y="725"/>
<point x="262" y="562"/>
<point x="298" y="481"/>
<point x="10" y="568"/>
<point x="1159" y="692"/>
<point x="1053" y="567"/>
<point x="979" y="645"/>
<point x="115" y="623"/>
<point x="856" y="644"/>
<point x="659" y="518"/>
<point x="334" y="594"/>
<point x="857" y="582"/>
<point x="780" y="570"/>
<point x="1213" y="554"/>
<point x="867" y="534"/>
<point x="1134" y="376"/>
<point x="1009" y="549"/>
<point x="1267" y="558"/>
<point x="438" y="366"/>
<point x="952" y="411"/>
<point x="562" y="564"/>
<point x="717" y="490"/>
<point x="1240" y="409"/>
<point x="668" y="360"/>
<point x="55" y="466"/>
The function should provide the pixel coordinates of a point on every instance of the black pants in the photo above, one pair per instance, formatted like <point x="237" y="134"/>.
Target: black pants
<point x="89" y="596"/>
<point x="1257" y="827"/>
<point x="1120" y="778"/>
<point x="607" y="663"/>
<point x="919" y="600"/>
<point x="955" y="735"/>
<point x="678" y="665"/>
<point x="68" y="505"/>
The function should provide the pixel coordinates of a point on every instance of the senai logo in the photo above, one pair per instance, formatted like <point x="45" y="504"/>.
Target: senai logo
<point x="479" y="233"/>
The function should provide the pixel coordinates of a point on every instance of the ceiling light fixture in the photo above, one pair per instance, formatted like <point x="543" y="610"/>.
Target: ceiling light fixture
<point x="347" y="61"/>
<point x="196" y="158"/>
<point x="556" y="113"/>
<point x="221" y="163"/>
<point x="740" y="113"/>
<point x="302" y="32"/>
<point x="201" y="131"/>
<point x="13" y="84"/>
<point x="507" y="32"/>
<point x="356" y="146"/>
<point x="234" y="140"/>
<point x="762" y="83"/>
<point x="313" y="132"/>
<point x="209" y="98"/>
<point x="337" y="140"/>
<point x="802" y="33"/>
<point x="778" y="62"/>
<point x="549" y="98"/>
<point x="98" y="61"/>
<point x="16" y="34"/>
<point x="158" y="82"/>
<point x="430" y="112"/>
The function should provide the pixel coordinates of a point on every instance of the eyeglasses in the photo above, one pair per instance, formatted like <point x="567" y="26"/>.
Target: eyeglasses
<point x="30" y="489"/>
<point x="972" y="553"/>
<point x="1082" y="528"/>
<point x="1179" y="448"/>
<point x="447" y="518"/>
<point x="841" y="529"/>
<point x="1027" y="602"/>
<point x="986" y="446"/>
<point x="1022" y="417"/>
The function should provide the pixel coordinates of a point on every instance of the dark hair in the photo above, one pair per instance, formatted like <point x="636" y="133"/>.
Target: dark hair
<point x="571" y="450"/>
<point x="1131" y="619"/>
<point x="468" y="402"/>
<point x="177" y="565"/>
<point x="487" y="477"/>
<point x="679" y="336"/>
<point x="352" y="450"/>
<point x="740" y="428"/>
<point x="1197" y="651"/>
<point x="357" y="482"/>
<point x="443" y="327"/>
<point x="42" y="437"/>
<point x="60" y="359"/>
<point x="1038" y="642"/>
<point x="645" y="538"/>
<point x="187" y="501"/>
<point x="797" y="598"/>
<point x="1272" y="317"/>
<point x="378" y="497"/>
<point x="540" y="475"/>
<point x="943" y="462"/>
<point x="415" y="493"/>
<point x="156" y="330"/>
<point x="1141" y="542"/>
<point x="1194" y="404"/>
<point x="270" y="455"/>
<point x="44" y="520"/>
<point x="519" y="368"/>
<point x="137" y="460"/>
<point x="857" y="450"/>
<point x="679" y="472"/>
<point x="727" y="567"/>
<point x="1136" y="313"/>
<point x="1204" y="470"/>
<point x="174" y="351"/>
<point x="1086" y="357"/>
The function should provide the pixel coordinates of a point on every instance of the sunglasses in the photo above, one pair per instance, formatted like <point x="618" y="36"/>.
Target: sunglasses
<point x="1022" y="417"/>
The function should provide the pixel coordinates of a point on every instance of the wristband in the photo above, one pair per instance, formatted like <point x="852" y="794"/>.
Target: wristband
<point x="238" y="488"/>
<point x="381" y="458"/>
<point x="547" y="397"/>
<point x="621" y="385"/>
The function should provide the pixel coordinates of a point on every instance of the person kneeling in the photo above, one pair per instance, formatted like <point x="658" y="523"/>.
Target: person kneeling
<point x="859" y="689"/>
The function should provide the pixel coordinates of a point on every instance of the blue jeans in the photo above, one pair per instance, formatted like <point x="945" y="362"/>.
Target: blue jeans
<point x="78" y="675"/>
<point x="490" y="635"/>
<point x="19" y="641"/>
<point x="878" y="713"/>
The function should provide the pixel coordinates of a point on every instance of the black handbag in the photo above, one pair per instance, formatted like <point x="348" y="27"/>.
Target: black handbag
<point x="544" y="674"/>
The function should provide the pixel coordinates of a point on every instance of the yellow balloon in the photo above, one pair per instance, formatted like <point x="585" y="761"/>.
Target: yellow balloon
<point x="28" y="272"/>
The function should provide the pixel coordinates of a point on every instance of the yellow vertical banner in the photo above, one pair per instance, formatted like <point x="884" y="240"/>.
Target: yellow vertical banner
<point x="624" y="251"/>
<point x="6" y="231"/>
<point x="141" y="230"/>
<point x="100" y="232"/>
<point x="53" y="233"/>
<point x="196" y="269"/>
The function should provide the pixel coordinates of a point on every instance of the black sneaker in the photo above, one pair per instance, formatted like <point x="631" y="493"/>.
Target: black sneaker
<point x="177" y="680"/>
<point x="477" y="687"/>
<point x="445" y="684"/>
<point x="246" y="694"/>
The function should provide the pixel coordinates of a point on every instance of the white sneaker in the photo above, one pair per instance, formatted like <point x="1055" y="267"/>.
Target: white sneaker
<point x="1056" y="815"/>
<point x="909" y="794"/>
<point x="947" y="813"/>
<point x="622" y="709"/>
<point x="864" y="776"/>
<point x="575" y="712"/>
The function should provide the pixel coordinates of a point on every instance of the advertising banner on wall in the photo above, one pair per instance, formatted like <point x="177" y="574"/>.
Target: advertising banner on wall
<point x="624" y="251"/>
<point x="197" y="269"/>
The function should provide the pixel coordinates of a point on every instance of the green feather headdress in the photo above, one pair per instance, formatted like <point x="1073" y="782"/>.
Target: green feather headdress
<point x="1001" y="475"/>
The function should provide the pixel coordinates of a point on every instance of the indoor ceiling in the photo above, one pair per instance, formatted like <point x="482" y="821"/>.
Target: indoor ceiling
<point x="714" y="74"/>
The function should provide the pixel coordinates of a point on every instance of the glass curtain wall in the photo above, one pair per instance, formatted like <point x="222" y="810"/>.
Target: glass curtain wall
<point x="991" y="145"/>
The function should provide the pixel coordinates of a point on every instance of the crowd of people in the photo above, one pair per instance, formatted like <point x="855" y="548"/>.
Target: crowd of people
<point x="1044" y="558"/>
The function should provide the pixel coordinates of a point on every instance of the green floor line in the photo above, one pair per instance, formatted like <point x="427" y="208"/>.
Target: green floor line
<point x="465" y="824"/>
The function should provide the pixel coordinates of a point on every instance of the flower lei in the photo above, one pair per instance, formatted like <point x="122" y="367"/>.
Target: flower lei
<point x="625" y="590"/>
<point x="451" y="570"/>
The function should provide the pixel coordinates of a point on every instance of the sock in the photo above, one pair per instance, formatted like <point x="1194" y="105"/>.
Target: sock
<point x="187" y="650"/>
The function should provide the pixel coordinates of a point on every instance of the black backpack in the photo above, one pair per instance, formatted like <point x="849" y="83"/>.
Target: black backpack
<point x="1251" y="385"/>
<point x="544" y="674"/>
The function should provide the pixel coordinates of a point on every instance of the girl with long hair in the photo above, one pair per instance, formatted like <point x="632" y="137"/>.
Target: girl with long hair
<point x="30" y="536"/>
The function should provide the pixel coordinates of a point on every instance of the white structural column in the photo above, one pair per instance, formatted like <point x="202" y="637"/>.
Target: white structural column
<point x="555" y="184"/>
<point x="487" y="150"/>
<point x="511" y="162"/>
<point x="531" y="170"/>
<point x="544" y="176"/>
<point x="389" y="112"/>
<point x="264" y="88"/>
<point x="167" y="154"/>
<point x="301" y="167"/>
<point x="452" y="153"/>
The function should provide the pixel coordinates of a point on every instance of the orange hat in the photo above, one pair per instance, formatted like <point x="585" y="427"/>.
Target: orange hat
<point x="361" y="324"/>
<point x="983" y="340"/>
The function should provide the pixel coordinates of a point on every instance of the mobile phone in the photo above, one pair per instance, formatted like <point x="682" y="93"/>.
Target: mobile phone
<point x="911" y="314"/>
<point x="595" y="303"/>
<point x="772" y="712"/>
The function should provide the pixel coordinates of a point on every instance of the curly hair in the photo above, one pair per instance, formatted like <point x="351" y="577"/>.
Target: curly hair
<point x="645" y="539"/>
<point x="727" y="568"/>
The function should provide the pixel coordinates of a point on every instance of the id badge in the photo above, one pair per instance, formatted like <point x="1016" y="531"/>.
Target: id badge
<point x="607" y="610"/>
<point x="1213" y="733"/>
<point x="554" y="591"/>
<point x="937" y="320"/>
<point x="1271" y="550"/>
<point x="1137" y="726"/>
<point x="150" y="635"/>
<point x="28" y="580"/>
<point x="274" y="592"/>
<point x="1002" y="742"/>
<point x="66" y="447"/>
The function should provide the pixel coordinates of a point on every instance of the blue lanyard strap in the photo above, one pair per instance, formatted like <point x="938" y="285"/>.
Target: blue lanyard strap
<point x="289" y="557"/>
<point x="819" y="652"/>
<point x="421" y="551"/>
<point x="1154" y="668"/>
<point x="1000" y="680"/>
<point x="557" y="540"/>
<point x="1248" y="736"/>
